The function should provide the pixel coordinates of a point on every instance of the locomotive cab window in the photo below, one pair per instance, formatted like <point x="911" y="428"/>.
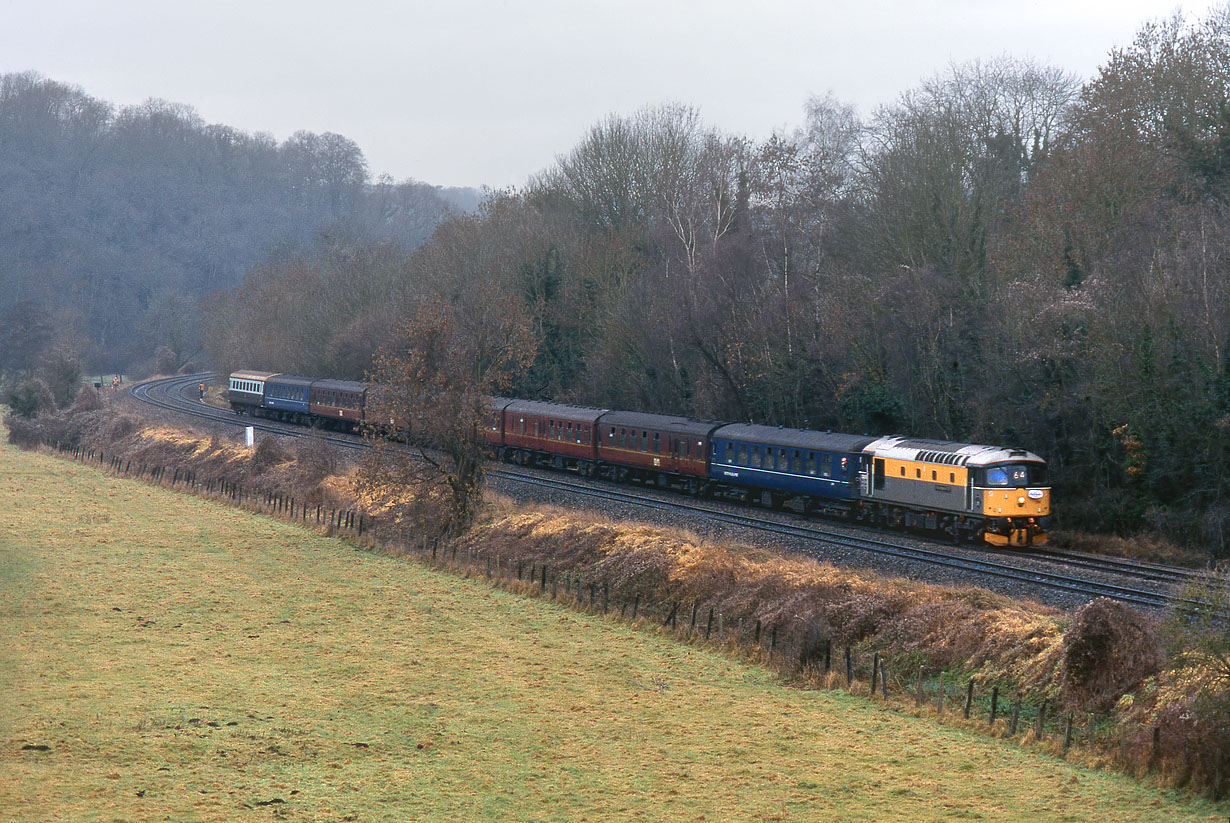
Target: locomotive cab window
<point x="1021" y="474"/>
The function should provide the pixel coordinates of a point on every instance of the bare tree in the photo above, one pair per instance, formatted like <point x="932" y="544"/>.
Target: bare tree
<point x="433" y="384"/>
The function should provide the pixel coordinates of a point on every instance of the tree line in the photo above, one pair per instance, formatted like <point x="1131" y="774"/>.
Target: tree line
<point x="1004" y="255"/>
<point x="116" y="221"/>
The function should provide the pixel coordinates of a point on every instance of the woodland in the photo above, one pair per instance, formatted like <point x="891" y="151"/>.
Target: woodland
<point x="1006" y="254"/>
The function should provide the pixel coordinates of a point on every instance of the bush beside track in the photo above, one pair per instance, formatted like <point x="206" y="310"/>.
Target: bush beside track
<point x="1107" y="661"/>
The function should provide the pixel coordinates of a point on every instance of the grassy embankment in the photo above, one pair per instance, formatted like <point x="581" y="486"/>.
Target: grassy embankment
<point x="181" y="659"/>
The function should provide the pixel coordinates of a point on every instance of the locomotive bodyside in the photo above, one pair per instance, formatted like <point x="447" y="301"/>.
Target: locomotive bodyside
<point x="961" y="489"/>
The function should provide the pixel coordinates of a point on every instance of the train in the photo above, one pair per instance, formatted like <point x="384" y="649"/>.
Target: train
<point x="965" y="491"/>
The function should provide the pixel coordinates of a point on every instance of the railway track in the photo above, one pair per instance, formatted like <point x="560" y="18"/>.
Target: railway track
<point x="179" y="395"/>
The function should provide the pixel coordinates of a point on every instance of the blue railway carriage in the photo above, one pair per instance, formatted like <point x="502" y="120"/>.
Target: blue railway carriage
<point x="818" y="469"/>
<point x="967" y="491"/>
<point x="245" y="390"/>
<point x="286" y="398"/>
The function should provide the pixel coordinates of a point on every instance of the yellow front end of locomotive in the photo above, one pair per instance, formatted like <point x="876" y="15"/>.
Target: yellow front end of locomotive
<point x="1018" y="516"/>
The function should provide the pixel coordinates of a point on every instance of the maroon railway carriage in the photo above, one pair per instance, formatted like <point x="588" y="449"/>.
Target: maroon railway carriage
<point x="550" y="435"/>
<point x="493" y="424"/>
<point x="658" y="449"/>
<point x="340" y="401"/>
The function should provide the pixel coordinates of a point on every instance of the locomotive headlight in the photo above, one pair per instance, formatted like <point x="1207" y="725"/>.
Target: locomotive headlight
<point x="1020" y="501"/>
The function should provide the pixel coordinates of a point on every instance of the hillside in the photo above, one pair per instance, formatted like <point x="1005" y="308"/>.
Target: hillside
<point x="174" y="657"/>
<point x="116" y="220"/>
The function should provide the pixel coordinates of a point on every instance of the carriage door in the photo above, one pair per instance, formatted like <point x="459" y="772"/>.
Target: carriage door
<point x="879" y="476"/>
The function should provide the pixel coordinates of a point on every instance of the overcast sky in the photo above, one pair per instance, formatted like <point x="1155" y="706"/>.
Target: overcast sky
<point x="483" y="92"/>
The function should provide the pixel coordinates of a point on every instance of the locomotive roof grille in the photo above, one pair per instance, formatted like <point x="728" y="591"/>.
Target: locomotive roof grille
<point x="945" y="459"/>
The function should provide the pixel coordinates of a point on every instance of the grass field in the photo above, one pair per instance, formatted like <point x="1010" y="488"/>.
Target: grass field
<point x="169" y="658"/>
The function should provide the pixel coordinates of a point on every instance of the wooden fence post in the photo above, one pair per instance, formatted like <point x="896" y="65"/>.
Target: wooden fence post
<point x="939" y="697"/>
<point x="849" y="669"/>
<point x="994" y="703"/>
<point x="1067" y="732"/>
<point x="1016" y="715"/>
<point x="883" y="681"/>
<point x="875" y="672"/>
<point x="636" y="605"/>
<point x="1040" y="726"/>
<point x="969" y="697"/>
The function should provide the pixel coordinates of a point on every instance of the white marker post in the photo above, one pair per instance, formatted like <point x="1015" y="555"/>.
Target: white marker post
<point x="249" y="436"/>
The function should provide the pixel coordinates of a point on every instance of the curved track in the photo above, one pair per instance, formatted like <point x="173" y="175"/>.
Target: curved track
<point x="1074" y="573"/>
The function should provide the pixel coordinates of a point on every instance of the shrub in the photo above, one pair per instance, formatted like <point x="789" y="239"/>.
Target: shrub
<point x="1109" y="650"/>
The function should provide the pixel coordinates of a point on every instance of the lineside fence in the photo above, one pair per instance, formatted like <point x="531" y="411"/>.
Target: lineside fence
<point x="791" y="646"/>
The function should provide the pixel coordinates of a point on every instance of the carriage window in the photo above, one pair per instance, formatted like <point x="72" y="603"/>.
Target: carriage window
<point x="796" y="465"/>
<point x="783" y="460"/>
<point x="730" y="452"/>
<point x="657" y="443"/>
<point x="811" y="463"/>
<point x="742" y="461"/>
<point x="826" y="465"/>
<point x="569" y="437"/>
<point x="644" y="441"/>
<point x="756" y="457"/>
